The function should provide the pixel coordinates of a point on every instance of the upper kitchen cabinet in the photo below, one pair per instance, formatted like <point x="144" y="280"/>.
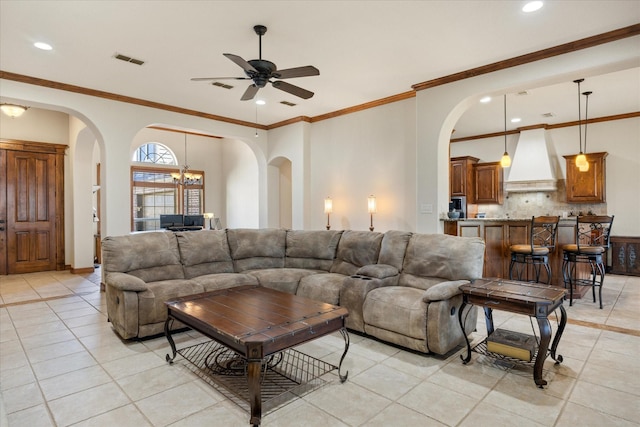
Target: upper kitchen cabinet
<point x="589" y="186"/>
<point x="461" y="177"/>
<point x="488" y="183"/>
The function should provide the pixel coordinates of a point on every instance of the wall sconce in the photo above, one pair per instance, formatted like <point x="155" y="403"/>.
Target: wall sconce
<point x="209" y="216"/>
<point x="13" y="110"/>
<point x="328" y="209"/>
<point x="372" y="208"/>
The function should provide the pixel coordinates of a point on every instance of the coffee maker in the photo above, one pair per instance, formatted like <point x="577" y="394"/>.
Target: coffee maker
<point x="459" y="203"/>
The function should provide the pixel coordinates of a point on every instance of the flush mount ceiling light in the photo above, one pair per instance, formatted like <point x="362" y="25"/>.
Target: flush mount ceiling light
<point x="43" y="46"/>
<point x="516" y="120"/>
<point x="485" y="99"/>
<point x="532" y="6"/>
<point x="13" y="110"/>
<point x="261" y="102"/>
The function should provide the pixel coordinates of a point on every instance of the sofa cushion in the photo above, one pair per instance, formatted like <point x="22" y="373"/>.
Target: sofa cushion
<point x="149" y="256"/>
<point x="253" y="249"/>
<point x="323" y="287"/>
<point x="398" y="309"/>
<point x="418" y="282"/>
<point x="151" y="307"/>
<point x="204" y="252"/>
<point x="281" y="279"/>
<point x="393" y="247"/>
<point x="213" y="282"/>
<point x="448" y="257"/>
<point x="314" y="250"/>
<point x="356" y="249"/>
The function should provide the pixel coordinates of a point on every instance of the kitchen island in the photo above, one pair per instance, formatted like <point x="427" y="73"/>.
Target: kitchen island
<point x="500" y="233"/>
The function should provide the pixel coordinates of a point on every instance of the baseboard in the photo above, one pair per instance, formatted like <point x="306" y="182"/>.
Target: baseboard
<point x="86" y="270"/>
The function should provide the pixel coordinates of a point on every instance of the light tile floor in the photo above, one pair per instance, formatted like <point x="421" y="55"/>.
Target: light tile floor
<point x="61" y="364"/>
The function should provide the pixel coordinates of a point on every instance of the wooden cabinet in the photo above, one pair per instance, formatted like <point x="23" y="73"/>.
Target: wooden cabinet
<point x="625" y="255"/>
<point x="589" y="186"/>
<point x="461" y="177"/>
<point x="488" y="183"/>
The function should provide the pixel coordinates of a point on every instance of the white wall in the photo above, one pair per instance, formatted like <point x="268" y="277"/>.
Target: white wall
<point x="37" y="124"/>
<point x="368" y="152"/>
<point x="242" y="192"/>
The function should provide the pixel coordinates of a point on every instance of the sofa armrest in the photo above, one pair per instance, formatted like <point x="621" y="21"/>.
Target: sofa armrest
<point x="377" y="271"/>
<point x="443" y="291"/>
<point x="126" y="282"/>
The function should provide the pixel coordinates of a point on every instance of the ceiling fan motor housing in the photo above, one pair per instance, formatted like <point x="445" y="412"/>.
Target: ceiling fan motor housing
<point x="265" y="70"/>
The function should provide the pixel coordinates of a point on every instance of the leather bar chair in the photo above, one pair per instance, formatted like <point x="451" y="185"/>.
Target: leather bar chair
<point x="592" y="242"/>
<point x="542" y="241"/>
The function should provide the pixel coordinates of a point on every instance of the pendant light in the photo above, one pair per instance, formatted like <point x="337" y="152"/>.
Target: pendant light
<point x="581" y="159"/>
<point x="505" y="162"/>
<point x="585" y="166"/>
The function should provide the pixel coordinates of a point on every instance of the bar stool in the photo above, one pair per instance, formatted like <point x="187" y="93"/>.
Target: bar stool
<point x="542" y="241"/>
<point x="592" y="241"/>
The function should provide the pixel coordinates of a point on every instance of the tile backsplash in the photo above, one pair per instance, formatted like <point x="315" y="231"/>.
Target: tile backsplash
<point x="526" y="205"/>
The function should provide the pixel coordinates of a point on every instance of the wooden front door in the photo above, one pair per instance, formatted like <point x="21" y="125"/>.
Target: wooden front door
<point x="33" y="198"/>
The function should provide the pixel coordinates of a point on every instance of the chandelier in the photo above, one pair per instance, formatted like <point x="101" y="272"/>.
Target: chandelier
<point x="184" y="177"/>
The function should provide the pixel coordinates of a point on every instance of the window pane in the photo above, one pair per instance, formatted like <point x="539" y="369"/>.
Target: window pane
<point x="192" y="201"/>
<point x="154" y="152"/>
<point x="155" y="193"/>
<point x="149" y="203"/>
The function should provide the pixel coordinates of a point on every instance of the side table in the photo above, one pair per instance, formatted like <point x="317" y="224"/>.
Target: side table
<point x="531" y="299"/>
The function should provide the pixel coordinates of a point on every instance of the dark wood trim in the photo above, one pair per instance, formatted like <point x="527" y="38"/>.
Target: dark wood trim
<point x="365" y="106"/>
<point x="31" y="146"/>
<point x="184" y="131"/>
<point x="84" y="270"/>
<point x="608" y="37"/>
<point x="546" y="126"/>
<point x="121" y="98"/>
<point x="298" y="119"/>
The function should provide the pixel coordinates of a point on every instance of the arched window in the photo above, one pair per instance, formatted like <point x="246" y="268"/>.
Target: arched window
<point x="154" y="152"/>
<point x="160" y="190"/>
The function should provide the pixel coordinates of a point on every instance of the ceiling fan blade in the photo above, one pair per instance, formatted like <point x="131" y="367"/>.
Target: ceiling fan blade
<point x="289" y="73"/>
<point x="293" y="90"/>
<point x="202" y="79"/>
<point x="249" y="93"/>
<point x="241" y="62"/>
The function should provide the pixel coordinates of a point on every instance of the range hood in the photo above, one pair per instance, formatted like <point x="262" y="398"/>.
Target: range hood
<point x="531" y="169"/>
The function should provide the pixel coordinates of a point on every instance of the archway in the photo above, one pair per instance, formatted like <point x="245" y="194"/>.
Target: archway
<point x="280" y="192"/>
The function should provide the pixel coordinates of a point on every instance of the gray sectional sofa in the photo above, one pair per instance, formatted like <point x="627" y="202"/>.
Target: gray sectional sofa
<point x="400" y="287"/>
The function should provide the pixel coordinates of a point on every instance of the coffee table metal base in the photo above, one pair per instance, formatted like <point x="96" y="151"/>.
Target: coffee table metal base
<point x="264" y="384"/>
<point x="283" y="376"/>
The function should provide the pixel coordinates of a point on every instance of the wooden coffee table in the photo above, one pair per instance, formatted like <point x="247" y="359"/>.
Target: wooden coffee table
<point x="256" y="323"/>
<point x="532" y="299"/>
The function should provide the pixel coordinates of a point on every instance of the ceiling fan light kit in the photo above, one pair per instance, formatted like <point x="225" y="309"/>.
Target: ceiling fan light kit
<point x="261" y="72"/>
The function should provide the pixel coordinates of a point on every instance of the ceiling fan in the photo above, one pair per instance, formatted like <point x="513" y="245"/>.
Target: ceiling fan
<point x="262" y="72"/>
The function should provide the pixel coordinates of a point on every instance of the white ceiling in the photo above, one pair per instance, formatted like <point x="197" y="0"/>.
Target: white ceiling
<point x="365" y="51"/>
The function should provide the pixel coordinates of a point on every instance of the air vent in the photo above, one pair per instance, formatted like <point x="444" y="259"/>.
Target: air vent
<point x="290" y="104"/>
<point x="126" y="58"/>
<point x="222" y="85"/>
<point x="548" y="115"/>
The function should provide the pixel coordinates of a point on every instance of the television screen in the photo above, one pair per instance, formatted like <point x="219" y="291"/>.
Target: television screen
<point x="171" y="220"/>
<point x="194" y="220"/>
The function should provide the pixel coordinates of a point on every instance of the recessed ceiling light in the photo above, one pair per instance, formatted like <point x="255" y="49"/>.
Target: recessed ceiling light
<point x="532" y="6"/>
<point x="261" y="102"/>
<point x="485" y="99"/>
<point x="43" y="45"/>
<point x="516" y="120"/>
